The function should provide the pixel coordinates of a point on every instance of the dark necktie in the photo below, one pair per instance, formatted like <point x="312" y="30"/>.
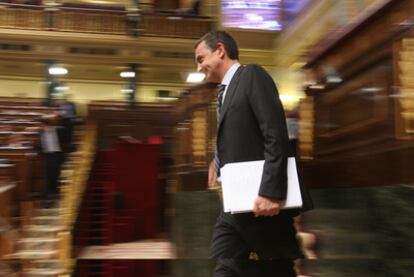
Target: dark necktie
<point x="219" y="104"/>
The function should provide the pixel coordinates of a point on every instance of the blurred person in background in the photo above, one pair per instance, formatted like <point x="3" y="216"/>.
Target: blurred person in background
<point x="68" y="115"/>
<point x="51" y="151"/>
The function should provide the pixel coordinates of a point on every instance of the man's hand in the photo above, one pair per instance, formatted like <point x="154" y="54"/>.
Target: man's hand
<point x="212" y="176"/>
<point x="264" y="206"/>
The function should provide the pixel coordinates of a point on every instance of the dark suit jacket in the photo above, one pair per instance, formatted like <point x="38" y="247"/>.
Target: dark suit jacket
<point x="252" y="127"/>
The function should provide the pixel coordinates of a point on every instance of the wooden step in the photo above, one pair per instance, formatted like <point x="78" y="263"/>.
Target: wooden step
<point x="47" y="220"/>
<point x="37" y="244"/>
<point x="48" y="212"/>
<point x="35" y="255"/>
<point x="43" y="272"/>
<point x="44" y="264"/>
<point x="43" y="231"/>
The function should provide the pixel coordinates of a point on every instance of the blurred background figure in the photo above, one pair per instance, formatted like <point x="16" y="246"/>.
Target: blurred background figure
<point x="67" y="113"/>
<point x="51" y="150"/>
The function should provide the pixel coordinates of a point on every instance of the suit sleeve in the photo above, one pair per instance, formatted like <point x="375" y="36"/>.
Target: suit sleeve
<point x="268" y="110"/>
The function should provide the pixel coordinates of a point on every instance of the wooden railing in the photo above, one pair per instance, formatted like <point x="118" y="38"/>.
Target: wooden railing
<point x="22" y="17"/>
<point x="74" y="177"/>
<point x="175" y="26"/>
<point x="84" y="21"/>
<point x="100" y="21"/>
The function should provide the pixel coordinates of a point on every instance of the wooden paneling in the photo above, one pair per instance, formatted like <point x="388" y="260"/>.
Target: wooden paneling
<point x="194" y="138"/>
<point x="404" y="63"/>
<point x="360" y="124"/>
<point x="306" y="128"/>
<point x="374" y="28"/>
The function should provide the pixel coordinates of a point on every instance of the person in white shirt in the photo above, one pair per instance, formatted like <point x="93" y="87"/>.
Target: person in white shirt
<point x="52" y="154"/>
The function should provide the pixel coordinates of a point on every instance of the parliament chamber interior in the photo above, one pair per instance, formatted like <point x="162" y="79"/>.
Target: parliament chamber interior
<point x="107" y="132"/>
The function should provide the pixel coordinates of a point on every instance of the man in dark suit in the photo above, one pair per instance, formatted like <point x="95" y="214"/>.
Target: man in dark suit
<point x="251" y="126"/>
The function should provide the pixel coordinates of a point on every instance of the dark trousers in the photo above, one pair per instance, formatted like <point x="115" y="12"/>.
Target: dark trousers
<point x="232" y="248"/>
<point x="248" y="268"/>
<point x="53" y="162"/>
<point x="67" y="134"/>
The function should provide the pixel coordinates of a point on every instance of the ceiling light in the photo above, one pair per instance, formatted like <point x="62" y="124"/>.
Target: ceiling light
<point x="317" y="87"/>
<point x="289" y="98"/>
<point x="57" y="70"/>
<point x="127" y="90"/>
<point x="127" y="74"/>
<point x="62" y="88"/>
<point x="195" y="77"/>
<point x="333" y="79"/>
<point x="371" y="89"/>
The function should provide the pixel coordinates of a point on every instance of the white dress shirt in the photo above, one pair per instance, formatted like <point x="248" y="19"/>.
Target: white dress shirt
<point x="50" y="140"/>
<point x="228" y="76"/>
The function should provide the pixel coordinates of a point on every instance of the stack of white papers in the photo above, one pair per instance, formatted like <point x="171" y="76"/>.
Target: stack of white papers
<point x="241" y="182"/>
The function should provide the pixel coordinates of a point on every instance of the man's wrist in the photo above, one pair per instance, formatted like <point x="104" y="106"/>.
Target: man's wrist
<point x="272" y="198"/>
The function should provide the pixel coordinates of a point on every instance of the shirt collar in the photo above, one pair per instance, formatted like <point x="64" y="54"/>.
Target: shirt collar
<point x="229" y="74"/>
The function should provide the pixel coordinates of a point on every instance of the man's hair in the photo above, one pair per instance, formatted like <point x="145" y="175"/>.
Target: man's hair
<point x="214" y="37"/>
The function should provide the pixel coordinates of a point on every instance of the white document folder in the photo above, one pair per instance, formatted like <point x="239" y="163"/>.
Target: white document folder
<point x="241" y="182"/>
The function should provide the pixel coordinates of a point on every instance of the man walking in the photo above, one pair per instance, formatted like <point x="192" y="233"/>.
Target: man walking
<point x="251" y="126"/>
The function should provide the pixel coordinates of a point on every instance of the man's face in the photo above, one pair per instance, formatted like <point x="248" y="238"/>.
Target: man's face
<point x="208" y="62"/>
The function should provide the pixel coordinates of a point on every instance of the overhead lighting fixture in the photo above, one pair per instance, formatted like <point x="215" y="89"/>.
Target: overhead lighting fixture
<point x="333" y="79"/>
<point x="62" y="88"/>
<point x="127" y="90"/>
<point x="127" y="74"/>
<point x="371" y="89"/>
<point x="195" y="77"/>
<point x="170" y="98"/>
<point x="289" y="98"/>
<point x="317" y="87"/>
<point x="57" y="70"/>
<point x="99" y="2"/>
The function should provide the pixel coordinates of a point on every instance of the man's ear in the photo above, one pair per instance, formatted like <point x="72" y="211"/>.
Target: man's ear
<point x="221" y="50"/>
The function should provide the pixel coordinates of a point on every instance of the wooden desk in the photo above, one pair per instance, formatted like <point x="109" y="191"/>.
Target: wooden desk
<point x="24" y="160"/>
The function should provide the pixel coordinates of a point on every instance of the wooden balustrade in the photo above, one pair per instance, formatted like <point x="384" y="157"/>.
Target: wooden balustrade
<point x="69" y="20"/>
<point x="22" y="18"/>
<point x="74" y="176"/>
<point x="101" y="21"/>
<point x="175" y="26"/>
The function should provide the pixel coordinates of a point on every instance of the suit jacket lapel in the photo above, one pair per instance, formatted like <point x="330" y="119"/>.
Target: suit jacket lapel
<point x="229" y="94"/>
